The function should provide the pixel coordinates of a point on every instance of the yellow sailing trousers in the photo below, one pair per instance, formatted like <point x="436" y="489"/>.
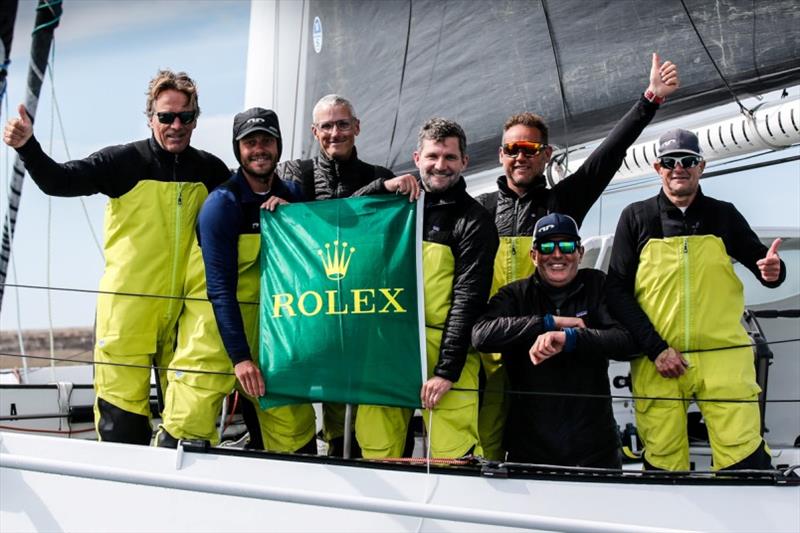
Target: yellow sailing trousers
<point x="688" y="289"/>
<point x="194" y="399"/>
<point x="512" y="262"/>
<point x="381" y="431"/>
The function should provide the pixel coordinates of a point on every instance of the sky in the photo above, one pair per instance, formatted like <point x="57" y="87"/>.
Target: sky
<point x="105" y="54"/>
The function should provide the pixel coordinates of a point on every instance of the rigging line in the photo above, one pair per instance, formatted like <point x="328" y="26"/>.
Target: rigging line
<point x="389" y="161"/>
<point x="113" y="293"/>
<point x="742" y="108"/>
<point x="588" y="396"/>
<point x="462" y="389"/>
<point x="57" y="109"/>
<point x="753" y="43"/>
<point x="560" y="90"/>
<point x="49" y="240"/>
<point x="126" y="365"/>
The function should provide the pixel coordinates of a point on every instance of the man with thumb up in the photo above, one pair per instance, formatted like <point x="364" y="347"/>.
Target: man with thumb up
<point x="672" y="285"/>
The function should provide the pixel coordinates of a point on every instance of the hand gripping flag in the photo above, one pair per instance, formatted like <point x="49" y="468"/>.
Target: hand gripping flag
<point x="341" y="302"/>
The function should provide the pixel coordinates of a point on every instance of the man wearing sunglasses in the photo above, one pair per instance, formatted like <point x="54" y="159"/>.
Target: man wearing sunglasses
<point x="523" y="198"/>
<point x="337" y="172"/>
<point x="556" y="334"/>
<point x="155" y="188"/>
<point x="671" y="283"/>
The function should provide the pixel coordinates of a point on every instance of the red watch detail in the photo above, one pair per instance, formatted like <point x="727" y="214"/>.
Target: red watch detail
<point x="650" y="96"/>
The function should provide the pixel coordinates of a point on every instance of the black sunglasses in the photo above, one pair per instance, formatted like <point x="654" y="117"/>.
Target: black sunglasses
<point x="687" y="161"/>
<point x="168" y="117"/>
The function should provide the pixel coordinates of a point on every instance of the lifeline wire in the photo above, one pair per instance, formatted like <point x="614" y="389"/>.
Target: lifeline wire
<point x="508" y="392"/>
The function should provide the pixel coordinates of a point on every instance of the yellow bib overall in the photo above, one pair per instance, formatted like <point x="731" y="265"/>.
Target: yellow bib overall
<point x="194" y="400"/>
<point x="381" y="431"/>
<point x="512" y="263"/>
<point x="688" y="289"/>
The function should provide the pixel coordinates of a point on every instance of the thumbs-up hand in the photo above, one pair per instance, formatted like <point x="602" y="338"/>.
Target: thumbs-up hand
<point x="664" y="78"/>
<point x="19" y="129"/>
<point x="770" y="266"/>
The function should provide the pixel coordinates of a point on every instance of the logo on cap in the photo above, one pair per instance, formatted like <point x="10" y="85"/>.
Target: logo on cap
<point x="254" y="120"/>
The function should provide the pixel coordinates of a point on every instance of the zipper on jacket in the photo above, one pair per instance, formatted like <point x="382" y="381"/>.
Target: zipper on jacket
<point x="176" y="247"/>
<point x="686" y="294"/>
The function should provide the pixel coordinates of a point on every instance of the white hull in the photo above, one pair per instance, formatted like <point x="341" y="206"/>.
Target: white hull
<point x="237" y="493"/>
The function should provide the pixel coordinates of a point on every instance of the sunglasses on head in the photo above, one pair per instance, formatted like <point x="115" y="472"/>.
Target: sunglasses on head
<point x="526" y="148"/>
<point x="168" y="117"/>
<point x="341" y="125"/>
<point x="686" y="161"/>
<point x="565" y="247"/>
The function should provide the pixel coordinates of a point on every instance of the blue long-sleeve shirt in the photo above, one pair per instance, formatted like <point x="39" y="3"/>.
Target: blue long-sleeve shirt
<point x="231" y="210"/>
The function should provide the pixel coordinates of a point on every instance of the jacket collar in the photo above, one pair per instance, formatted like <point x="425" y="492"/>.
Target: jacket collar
<point x="667" y="205"/>
<point x="450" y="196"/>
<point x="539" y="184"/>
<point x="327" y="163"/>
<point x="574" y="287"/>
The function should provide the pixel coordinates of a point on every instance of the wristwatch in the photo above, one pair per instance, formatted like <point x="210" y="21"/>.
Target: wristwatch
<point x="650" y="96"/>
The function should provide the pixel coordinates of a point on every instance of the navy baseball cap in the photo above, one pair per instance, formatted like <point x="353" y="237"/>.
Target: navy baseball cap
<point x="678" y="141"/>
<point x="555" y="224"/>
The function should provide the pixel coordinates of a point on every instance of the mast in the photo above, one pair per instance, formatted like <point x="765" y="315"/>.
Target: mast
<point x="48" y="14"/>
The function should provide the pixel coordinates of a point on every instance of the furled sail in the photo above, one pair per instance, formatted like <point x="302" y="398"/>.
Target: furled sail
<point x="48" y="14"/>
<point x="579" y="64"/>
<point x="8" y="15"/>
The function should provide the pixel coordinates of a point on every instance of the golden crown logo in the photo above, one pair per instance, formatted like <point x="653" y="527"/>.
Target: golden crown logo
<point x="336" y="266"/>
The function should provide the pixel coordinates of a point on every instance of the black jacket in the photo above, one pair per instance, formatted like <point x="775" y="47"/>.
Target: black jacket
<point x="453" y="218"/>
<point x="322" y="178"/>
<point x="575" y="194"/>
<point x="116" y="170"/>
<point x="656" y="218"/>
<point x="554" y="429"/>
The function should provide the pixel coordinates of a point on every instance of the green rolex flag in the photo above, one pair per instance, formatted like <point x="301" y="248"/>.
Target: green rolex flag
<point x="341" y="302"/>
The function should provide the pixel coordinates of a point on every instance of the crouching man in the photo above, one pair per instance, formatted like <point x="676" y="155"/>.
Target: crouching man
<point x="556" y="335"/>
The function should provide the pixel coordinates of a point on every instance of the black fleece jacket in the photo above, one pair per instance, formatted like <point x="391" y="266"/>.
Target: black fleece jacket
<point x="550" y="428"/>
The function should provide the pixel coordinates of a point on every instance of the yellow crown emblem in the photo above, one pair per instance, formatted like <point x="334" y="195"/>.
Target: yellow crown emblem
<point x="336" y="266"/>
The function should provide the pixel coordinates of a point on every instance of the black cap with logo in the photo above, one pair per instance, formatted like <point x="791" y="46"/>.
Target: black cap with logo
<point x="255" y="119"/>
<point x="555" y="224"/>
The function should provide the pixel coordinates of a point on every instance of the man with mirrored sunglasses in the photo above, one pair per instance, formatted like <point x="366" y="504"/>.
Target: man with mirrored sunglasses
<point x="556" y="335"/>
<point x="337" y="172"/>
<point x="523" y="197"/>
<point x="156" y="187"/>
<point x="671" y="283"/>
